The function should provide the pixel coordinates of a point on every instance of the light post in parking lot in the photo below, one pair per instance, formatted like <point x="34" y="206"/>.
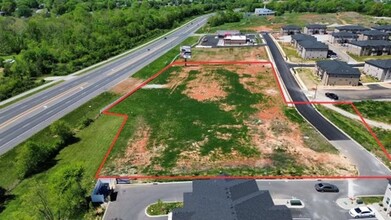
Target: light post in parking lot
<point x="316" y="90"/>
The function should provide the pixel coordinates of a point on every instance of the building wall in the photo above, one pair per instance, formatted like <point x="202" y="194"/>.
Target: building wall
<point x="289" y="32"/>
<point x="335" y="80"/>
<point x="387" y="197"/>
<point x="341" y="40"/>
<point x="356" y="50"/>
<point x="379" y="73"/>
<point x="234" y="42"/>
<point x="313" y="54"/>
<point x="314" y="30"/>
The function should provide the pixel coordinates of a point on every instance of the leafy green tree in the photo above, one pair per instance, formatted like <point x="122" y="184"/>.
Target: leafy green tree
<point x="68" y="196"/>
<point x="62" y="130"/>
<point x="23" y="11"/>
<point x="8" y="6"/>
<point x="30" y="158"/>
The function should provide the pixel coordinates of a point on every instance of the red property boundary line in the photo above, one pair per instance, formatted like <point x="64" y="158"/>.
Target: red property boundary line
<point x="178" y="63"/>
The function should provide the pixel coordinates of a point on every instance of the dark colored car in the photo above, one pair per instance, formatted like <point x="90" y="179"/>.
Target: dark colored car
<point x="326" y="187"/>
<point x="331" y="95"/>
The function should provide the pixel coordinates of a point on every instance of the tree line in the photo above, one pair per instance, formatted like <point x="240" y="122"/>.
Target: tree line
<point x="369" y="7"/>
<point x="59" y="45"/>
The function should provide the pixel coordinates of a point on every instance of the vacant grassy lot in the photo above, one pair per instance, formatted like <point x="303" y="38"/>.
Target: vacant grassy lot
<point x="229" y="54"/>
<point x="204" y="120"/>
<point x="357" y="131"/>
<point x="367" y="79"/>
<point x="307" y="75"/>
<point x="378" y="111"/>
<point x="88" y="152"/>
<point x="275" y="23"/>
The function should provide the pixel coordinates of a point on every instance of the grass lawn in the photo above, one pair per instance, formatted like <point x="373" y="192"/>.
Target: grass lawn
<point x="275" y="23"/>
<point x="378" y="111"/>
<point x="365" y="58"/>
<point x="368" y="79"/>
<point x="163" y="208"/>
<point x="163" y="61"/>
<point x="356" y="130"/>
<point x="88" y="152"/>
<point x="371" y="200"/>
<point x="311" y="136"/>
<point x="307" y="75"/>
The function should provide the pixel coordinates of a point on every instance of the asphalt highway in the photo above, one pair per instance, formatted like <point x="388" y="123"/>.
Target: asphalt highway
<point x="25" y="118"/>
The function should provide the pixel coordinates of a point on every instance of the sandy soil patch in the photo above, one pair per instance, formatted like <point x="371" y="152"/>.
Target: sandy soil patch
<point x="126" y="86"/>
<point x="229" y="54"/>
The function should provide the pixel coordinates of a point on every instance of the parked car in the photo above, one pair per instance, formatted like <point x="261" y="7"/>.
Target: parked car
<point x="331" y="95"/>
<point x="361" y="212"/>
<point x="326" y="187"/>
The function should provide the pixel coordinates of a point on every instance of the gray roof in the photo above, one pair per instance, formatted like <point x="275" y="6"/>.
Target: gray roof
<point x="371" y="43"/>
<point x="336" y="67"/>
<point x="229" y="199"/>
<point x="344" y="34"/>
<point x="315" y="45"/>
<point x="383" y="27"/>
<point x="374" y="33"/>
<point x="291" y="27"/>
<point x="352" y="28"/>
<point x="384" y="64"/>
<point x="316" y="26"/>
<point x="300" y="37"/>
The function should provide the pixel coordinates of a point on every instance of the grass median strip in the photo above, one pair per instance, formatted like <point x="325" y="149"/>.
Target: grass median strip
<point x="163" y="208"/>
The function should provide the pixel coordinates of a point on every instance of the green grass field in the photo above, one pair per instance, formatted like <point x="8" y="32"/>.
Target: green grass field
<point x="375" y="110"/>
<point x="357" y="131"/>
<point x="88" y="152"/>
<point x="365" y="58"/>
<point x="163" y="208"/>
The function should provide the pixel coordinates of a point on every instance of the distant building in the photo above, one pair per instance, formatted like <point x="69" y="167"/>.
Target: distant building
<point x="229" y="200"/>
<point x="224" y="33"/>
<point x="380" y="69"/>
<point x="355" y="29"/>
<point x="370" y="47"/>
<point x="315" y="29"/>
<point x="264" y="11"/>
<point x="343" y="37"/>
<point x="290" y="30"/>
<point x="235" y="40"/>
<point x="373" y="35"/>
<point x="300" y="37"/>
<point x="334" y="72"/>
<point x="309" y="49"/>
<point x="383" y="28"/>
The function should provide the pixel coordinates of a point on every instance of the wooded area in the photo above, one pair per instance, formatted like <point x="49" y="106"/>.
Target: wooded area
<point x="59" y="45"/>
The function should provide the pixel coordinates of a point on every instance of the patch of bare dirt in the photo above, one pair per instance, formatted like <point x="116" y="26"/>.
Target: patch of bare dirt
<point x="229" y="54"/>
<point x="205" y="87"/>
<point x="126" y="86"/>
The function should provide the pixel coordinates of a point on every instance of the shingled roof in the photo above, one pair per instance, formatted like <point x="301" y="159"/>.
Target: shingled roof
<point x="336" y="67"/>
<point x="301" y="37"/>
<point x="374" y="33"/>
<point x="383" y="27"/>
<point x="313" y="45"/>
<point x="316" y="26"/>
<point x="229" y="200"/>
<point x="384" y="64"/>
<point x="344" y="34"/>
<point x="352" y="28"/>
<point x="371" y="43"/>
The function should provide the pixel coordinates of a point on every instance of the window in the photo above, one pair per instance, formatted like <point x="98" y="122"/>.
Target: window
<point x="388" y="200"/>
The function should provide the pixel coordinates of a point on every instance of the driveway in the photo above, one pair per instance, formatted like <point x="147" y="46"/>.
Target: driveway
<point x="132" y="200"/>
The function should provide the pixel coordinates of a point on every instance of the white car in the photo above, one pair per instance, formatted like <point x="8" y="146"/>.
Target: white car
<point x="361" y="212"/>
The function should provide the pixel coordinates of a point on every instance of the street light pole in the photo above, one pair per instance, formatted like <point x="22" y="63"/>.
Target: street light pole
<point x="316" y="90"/>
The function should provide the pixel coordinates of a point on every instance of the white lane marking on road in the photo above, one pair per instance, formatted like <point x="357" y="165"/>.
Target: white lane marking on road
<point x="350" y="188"/>
<point x="40" y="105"/>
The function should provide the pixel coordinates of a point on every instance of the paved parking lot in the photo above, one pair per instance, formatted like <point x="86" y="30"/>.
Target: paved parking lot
<point x="213" y="41"/>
